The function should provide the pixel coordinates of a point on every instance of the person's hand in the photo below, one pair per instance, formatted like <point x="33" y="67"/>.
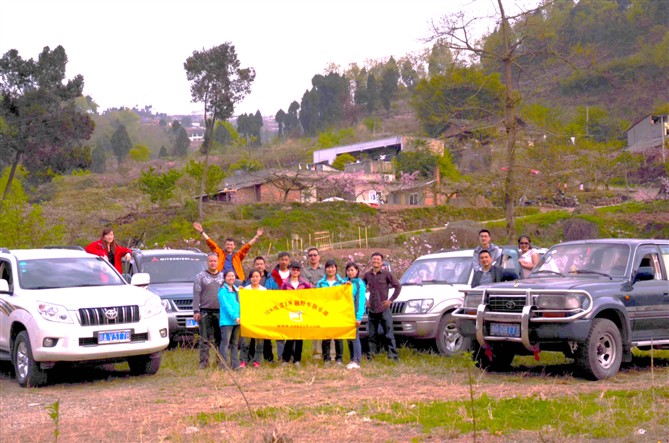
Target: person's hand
<point x="198" y="227"/>
<point x="357" y="323"/>
<point x="128" y="257"/>
<point x="197" y="317"/>
<point x="348" y="282"/>
<point x="386" y="303"/>
<point x="237" y="320"/>
<point x="260" y="232"/>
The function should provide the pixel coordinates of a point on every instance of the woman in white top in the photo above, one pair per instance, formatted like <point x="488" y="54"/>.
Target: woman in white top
<point x="528" y="257"/>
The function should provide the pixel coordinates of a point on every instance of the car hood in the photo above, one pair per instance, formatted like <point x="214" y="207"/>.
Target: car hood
<point x="582" y="283"/>
<point x="87" y="297"/>
<point x="430" y="290"/>
<point x="172" y="290"/>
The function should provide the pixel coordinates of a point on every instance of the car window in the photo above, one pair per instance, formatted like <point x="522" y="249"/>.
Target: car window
<point x="67" y="272"/>
<point x="173" y="269"/>
<point x="6" y="273"/>
<point x="438" y="270"/>
<point x="604" y="258"/>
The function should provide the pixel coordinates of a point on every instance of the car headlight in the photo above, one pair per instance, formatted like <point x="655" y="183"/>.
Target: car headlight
<point x="52" y="312"/>
<point x="152" y="307"/>
<point x="418" y="306"/>
<point x="559" y="302"/>
<point x="472" y="301"/>
<point x="167" y="306"/>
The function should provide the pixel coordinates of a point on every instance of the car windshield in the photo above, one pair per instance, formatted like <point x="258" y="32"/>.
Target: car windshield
<point x="173" y="268"/>
<point x="607" y="259"/>
<point x="438" y="270"/>
<point x="67" y="272"/>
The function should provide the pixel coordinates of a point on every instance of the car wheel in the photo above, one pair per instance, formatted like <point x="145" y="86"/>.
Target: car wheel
<point x="499" y="358"/>
<point x="28" y="371"/>
<point x="449" y="339"/>
<point x="144" y="364"/>
<point x="601" y="354"/>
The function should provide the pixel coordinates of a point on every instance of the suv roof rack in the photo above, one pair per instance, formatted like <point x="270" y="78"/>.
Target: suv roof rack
<point x="72" y="247"/>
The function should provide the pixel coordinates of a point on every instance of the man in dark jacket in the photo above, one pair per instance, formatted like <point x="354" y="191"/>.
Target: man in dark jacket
<point x="379" y="281"/>
<point x="488" y="273"/>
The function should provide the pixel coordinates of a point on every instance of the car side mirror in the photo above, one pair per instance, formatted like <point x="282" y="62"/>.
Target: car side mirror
<point x="140" y="279"/>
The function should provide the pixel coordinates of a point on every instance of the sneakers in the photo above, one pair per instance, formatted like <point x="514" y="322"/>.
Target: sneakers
<point x="339" y="362"/>
<point x="284" y="364"/>
<point x="297" y="364"/>
<point x="242" y="364"/>
<point x="256" y="364"/>
<point x="353" y="365"/>
<point x="203" y="365"/>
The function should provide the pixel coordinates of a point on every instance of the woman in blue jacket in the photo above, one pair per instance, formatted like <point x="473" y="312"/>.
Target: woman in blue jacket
<point x="359" y="300"/>
<point x="228" y="297"/>
<point x="331" y="278"/>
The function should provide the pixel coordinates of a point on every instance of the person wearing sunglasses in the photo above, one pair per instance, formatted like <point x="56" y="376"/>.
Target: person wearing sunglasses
<point x="528" y="257"/>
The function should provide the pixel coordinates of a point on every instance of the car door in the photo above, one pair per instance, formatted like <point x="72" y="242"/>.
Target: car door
<point x="6" y="306"/>
<point x="648" y="301"/>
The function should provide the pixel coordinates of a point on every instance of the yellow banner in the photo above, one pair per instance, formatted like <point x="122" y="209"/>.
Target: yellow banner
<point x="311" y="314"/>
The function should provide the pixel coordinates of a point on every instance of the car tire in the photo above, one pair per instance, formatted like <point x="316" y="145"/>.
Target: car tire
<point x="144" y="364"/>
<point x="502" y="357"/>
<point x="600" y="356"/>
<point x="449" y="339"/>
<point x="28" y="371"/>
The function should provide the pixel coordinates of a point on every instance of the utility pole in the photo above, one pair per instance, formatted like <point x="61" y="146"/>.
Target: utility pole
<point x="654" y="119"/>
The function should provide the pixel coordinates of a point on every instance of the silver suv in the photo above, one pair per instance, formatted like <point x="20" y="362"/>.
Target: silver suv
<point x="62" y="305"/>
<point x="172" y="274"/>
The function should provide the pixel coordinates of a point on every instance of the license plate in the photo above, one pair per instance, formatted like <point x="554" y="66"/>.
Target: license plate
<point x="108" y="337"/>
<point x="191" y="323"/>
<point x="504" y="330"/>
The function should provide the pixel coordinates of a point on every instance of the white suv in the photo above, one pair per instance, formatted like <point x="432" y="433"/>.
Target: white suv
<point x="62" y="305"/>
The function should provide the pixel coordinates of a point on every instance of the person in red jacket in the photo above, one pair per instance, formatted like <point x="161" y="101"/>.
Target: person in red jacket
<point x="108" y="249"/>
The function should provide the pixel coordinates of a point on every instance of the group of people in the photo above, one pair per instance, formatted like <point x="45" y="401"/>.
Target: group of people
<point x="486" y="253"/>
<point x="216" y="304"/>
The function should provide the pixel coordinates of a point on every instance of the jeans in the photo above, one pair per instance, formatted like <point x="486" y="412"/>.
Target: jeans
<point x="355" y="347"/>
<point x="292" y="348"/>
<point x="210" y="334"/>
<point x="385" y="321"/>
<point x="252" y="348"/>
<point x="279" y="348"/>
<point x="230" y="345"/>
<point x="339" y="350"/>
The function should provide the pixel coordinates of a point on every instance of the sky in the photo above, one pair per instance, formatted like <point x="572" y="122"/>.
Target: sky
<point x="131" y="53"/>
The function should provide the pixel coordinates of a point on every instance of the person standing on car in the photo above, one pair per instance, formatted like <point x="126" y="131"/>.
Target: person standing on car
<point x="485" y="244"/>
<point x="206" y="308"/>
<point x="379" y="281"/>
<point x="488" y="273"/>
<point x="229" y="260"/>
<point x="108" y="249"/>
<point x="313" y="271"/>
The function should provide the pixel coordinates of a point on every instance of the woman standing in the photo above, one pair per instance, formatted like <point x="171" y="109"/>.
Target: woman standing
<point x="528" y="257"/>
<point x="359" y="301"/>
<point x="254" y="283"/>
<point x="331" y="278"/>
<point x="229" y="320"/>
<point x="108" y="249"/>
<point x="293" y="348"/>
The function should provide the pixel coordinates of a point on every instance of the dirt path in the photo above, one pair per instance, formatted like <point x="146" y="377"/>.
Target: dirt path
<point x="113" y="406"/>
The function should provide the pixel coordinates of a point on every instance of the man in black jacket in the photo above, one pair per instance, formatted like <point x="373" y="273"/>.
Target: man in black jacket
<point x="488" y="273"/>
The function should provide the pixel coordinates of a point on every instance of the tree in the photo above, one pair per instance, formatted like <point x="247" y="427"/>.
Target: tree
<point x="372" y="93"/>
<point x="159" y="187"/>
<point x="342" y="160"/>
<point x="121" y="143"/>
<point x="391" y="76"/>
<point x="219" y="83"/>
<point x="280" y="118"/>
<point x="39" y="111"/>
<point x="510" y="56"/>
<point x="182" y="143"/>
<point x="140" y="153"/>
<point x="215" y="175"/>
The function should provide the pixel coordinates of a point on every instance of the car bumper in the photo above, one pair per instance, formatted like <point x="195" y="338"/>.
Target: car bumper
<point x="76" y="343"/>
<point x="420" y="326"/>
<point x="181" y="324"/>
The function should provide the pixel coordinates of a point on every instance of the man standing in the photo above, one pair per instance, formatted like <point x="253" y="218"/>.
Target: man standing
<point x="229" y="260"/>
<point x="313" y="272"/>
<point x="206" y="308"/>
<point x="488" y="273"/>
<point x="379" y="281"/>
<point x="485" y="244"/>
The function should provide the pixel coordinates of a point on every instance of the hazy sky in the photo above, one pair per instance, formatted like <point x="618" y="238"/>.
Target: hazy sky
<point x="132" y="52"/>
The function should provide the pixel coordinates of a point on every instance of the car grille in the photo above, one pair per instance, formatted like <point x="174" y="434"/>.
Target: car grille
<point x="101" y="316"/>
<point x="397" y="307"/>
<point x="183" y="304"/>
<point x="93" y="341"/>
<point x="506" y="303"/>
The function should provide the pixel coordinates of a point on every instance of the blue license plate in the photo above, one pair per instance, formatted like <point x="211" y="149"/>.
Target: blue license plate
<point x="109" y="337"/>
<point x="191" y="323"/>
<point x="504" y="330"/>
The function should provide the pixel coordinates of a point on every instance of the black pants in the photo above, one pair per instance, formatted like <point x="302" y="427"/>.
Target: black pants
<point x="293" y="348"/>
<point x="210" y="334"/>
<point x="339" y="350"/>
<point x="383" y="320"/>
